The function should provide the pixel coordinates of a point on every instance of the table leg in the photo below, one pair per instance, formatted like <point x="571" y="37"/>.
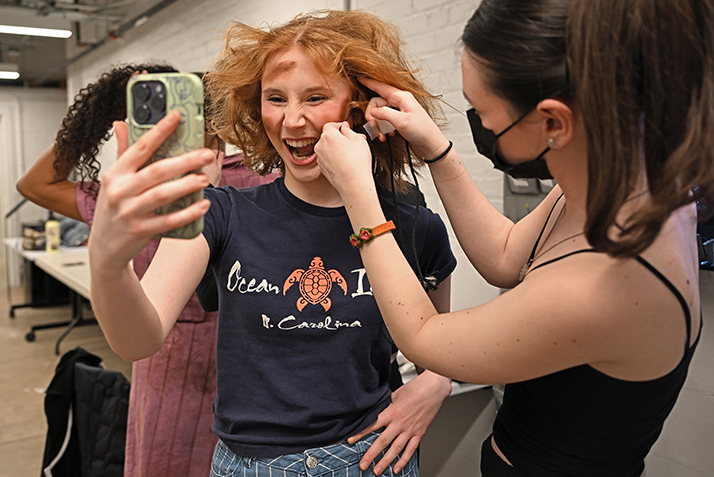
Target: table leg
<point x="77" y="318"/>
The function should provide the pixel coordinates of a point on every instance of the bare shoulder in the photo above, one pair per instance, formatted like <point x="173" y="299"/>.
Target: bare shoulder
<point x="584" y="297"/>
<point x="615" y="315"/>
<point x="631" y="312"/>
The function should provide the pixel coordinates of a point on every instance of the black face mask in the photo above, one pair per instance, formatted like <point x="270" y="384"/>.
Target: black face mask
<point x="486" y="143"/>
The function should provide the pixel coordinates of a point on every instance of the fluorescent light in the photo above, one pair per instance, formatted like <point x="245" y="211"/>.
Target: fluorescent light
<point x="29" y="31"/>
<point x="9" y="71"/>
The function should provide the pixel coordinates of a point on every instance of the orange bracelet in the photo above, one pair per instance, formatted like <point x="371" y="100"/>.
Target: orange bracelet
<point x="366" y="234"/>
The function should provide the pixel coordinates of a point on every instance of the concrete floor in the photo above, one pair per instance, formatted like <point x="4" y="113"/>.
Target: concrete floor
<point x="26" y="369"/>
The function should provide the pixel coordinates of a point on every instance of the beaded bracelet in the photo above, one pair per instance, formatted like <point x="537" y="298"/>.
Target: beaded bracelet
<point x="366" y="234"/>
<point x="440" y="156"/>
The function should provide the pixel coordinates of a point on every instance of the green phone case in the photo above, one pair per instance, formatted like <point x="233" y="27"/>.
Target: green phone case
<point x="184" y="92"/>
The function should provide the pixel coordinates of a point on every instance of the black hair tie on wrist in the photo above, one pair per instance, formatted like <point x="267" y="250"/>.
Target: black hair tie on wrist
<point x="440" y="156"/>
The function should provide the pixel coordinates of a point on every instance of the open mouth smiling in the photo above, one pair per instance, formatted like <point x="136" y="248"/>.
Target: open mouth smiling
<point x="301" y="149"/>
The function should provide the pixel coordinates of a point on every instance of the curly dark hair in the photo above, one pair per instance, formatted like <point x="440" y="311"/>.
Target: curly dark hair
<point x="88" y="121"/>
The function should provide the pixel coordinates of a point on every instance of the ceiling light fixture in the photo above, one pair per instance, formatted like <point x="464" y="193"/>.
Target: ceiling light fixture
<point x="9" y="71"/>
<point x="30" y="31"/>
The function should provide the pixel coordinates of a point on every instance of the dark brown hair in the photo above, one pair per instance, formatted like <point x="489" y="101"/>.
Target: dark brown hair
<point x="644" y="75"/>
<point x="350" y="44"/>
<point x="89" y="119"/>
<point x="522" y="45"/>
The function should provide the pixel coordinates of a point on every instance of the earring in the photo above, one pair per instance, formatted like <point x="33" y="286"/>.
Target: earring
<point x="550" y="142"/>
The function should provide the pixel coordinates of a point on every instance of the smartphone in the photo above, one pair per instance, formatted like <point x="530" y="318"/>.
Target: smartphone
<point x="149" y="98"/>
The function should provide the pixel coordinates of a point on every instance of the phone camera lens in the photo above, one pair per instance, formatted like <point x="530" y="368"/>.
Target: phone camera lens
<point x="141" y="91"/>
<point x="158" y="102"/>
<point x="142" y="114"/>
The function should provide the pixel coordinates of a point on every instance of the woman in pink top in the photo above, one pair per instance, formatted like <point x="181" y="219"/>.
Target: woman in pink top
<point x="170" y="405"/>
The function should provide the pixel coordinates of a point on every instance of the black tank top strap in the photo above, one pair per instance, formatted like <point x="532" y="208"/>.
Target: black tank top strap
<point x="677" y="294"/>
<point x="655" y="272"/>
<point x="545" y="224"/>
<point x="563" y="256"/>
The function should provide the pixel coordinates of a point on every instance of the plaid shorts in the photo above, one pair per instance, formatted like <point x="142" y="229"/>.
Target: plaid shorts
<point x="337" y="460"/>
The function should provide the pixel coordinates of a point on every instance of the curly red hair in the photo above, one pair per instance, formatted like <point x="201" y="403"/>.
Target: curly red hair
<point x="350" y="44"/>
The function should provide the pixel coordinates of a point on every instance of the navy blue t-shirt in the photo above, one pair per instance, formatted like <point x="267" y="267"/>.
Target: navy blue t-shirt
<point x="303" y="355"/>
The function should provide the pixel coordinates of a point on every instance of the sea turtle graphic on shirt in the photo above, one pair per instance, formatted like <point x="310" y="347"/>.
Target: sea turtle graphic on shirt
<point x="315" y="284"/>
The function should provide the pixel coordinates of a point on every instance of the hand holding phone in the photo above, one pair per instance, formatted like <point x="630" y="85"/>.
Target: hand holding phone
<point x="149" y="98"/>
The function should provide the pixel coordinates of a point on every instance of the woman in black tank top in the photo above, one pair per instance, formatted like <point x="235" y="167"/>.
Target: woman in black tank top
<point x="615" y="101"/>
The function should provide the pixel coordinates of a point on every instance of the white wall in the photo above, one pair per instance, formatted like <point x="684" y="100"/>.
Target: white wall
<point x="432" y="29"/>
<point x="29" y="120"/>
<point x="186" y="34"/>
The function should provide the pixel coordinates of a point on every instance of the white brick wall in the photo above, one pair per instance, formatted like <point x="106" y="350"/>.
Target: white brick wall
<point x="432" y="29"/>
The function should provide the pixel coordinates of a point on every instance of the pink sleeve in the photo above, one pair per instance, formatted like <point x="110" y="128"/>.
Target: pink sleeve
<point x="86" y="201"/>
<point x="238" y="176"/>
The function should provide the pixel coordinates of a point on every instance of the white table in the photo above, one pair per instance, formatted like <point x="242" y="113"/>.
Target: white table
<point x="69" y="266"/>
<point x="14" y="246"/>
